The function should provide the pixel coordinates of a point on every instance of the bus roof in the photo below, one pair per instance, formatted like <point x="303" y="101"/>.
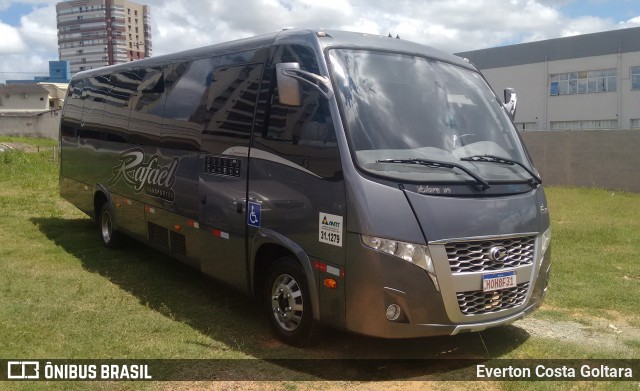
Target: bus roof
<point x="326" y="39"/>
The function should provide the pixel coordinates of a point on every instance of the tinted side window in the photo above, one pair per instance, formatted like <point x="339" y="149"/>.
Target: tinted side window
<point x="186" y="87"/>
<point x="147" y="107"/>
<point x="303" y="135"/>
<point x="73" y="104"/>
<point x="94" y="93"/>
<point x="230" y="107"/>
<point x="117" y="106"/>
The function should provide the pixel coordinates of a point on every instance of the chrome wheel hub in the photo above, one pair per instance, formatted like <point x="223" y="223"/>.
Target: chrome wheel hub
<point x="106" y="227"/>
<point x="286" y="302"/>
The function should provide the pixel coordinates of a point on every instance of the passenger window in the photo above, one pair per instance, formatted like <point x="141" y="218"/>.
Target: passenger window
<point x="94" y="92"/>
<point x="117" y="107"/>
<point x="147" y="107"/>
<point x="70" y="122"/>
<point x="230" y="107"/>
<point x="187" y="85"/>
<point x="303" y="135"/>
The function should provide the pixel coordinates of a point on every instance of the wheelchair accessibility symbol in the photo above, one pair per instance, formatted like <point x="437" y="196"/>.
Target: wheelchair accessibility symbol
<point x="253" y="214"/>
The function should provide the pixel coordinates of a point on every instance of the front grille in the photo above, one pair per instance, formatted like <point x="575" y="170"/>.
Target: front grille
<point x="479" y="302"/>
<point x="475" y="256"/>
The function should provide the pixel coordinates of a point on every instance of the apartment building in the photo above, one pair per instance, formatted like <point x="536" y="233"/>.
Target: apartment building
<point x="96" y="33"/>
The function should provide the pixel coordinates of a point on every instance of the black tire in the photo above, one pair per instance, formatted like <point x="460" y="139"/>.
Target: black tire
<point x="288" y="303"/>
<point x="110" y="237"/>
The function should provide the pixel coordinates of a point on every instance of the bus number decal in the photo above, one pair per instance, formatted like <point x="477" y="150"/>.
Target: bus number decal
<point x="330" y="229"/>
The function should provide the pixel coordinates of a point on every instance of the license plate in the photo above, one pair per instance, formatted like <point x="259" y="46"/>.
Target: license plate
<point x="497" y="281"/>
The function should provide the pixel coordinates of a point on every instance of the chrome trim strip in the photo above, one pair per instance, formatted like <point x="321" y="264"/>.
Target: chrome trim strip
<point x="488" y="237"/>
<point x="485" y="325"/>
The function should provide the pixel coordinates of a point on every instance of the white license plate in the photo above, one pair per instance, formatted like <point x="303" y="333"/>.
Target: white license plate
<point x="497" y="281"/>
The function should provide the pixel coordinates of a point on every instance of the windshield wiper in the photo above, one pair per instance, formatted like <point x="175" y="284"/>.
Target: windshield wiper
<point x="484" y="185"/>
<point x="502" y="160"/>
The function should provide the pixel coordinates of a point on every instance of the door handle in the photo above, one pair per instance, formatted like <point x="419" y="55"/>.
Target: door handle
<point x="239" y="207"/>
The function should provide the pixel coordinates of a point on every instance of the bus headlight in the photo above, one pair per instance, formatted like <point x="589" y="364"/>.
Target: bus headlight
<point x="416" y="254"/>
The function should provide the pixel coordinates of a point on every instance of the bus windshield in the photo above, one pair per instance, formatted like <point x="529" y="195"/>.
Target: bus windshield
<point x="402" y="109"/>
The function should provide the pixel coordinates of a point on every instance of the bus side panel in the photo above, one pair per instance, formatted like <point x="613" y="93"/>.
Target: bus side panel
<point x="78" y="194"/>
<point x="130" y="215"/>
<point x="295" y="181"/>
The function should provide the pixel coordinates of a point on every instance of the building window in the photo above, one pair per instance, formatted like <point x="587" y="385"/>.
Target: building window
<point x="584" y="125"/>
<point x="635" y="123"/>
<point x="635" y="78"/>
<point x="526" y="126"/>
<point x="583" y="82"/>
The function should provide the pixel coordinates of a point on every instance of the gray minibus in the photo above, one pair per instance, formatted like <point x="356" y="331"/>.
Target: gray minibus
<point x="357" y="181"/>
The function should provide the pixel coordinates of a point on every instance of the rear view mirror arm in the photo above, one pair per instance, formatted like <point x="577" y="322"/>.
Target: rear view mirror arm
<point x="321" y="83"/>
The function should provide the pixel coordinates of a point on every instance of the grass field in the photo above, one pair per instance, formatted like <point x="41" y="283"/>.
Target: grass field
<point x="63" y="295"/>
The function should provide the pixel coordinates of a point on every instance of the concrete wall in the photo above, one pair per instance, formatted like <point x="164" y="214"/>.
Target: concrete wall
<point x="608" y="159"/>
<point x="45" y="125"/>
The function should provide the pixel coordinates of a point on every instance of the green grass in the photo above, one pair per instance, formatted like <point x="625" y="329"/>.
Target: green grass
<point x="596" y="244"/>
<point x="63" y="295"/>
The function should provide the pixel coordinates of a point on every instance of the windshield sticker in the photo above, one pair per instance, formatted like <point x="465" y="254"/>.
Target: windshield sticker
<point x="434" y="190"/>
<point x="459" y="99"/>
<point x="330" y="229"/>
<point x="147" y="176"/>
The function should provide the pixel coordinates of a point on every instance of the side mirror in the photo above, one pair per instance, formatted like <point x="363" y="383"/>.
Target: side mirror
<point x="510" y="101"/>
<point x="288" y="87"/>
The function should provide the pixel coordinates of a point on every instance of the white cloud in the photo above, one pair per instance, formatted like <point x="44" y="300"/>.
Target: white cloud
<point x="633" y="22"/>
<point x="25" y="50"/>
<point x="450" y="25"/>
<point x="11" y="42"/>
<point x="38" y="30"/>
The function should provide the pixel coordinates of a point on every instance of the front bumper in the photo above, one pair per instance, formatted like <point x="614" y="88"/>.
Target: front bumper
<point x="375" y="280"/>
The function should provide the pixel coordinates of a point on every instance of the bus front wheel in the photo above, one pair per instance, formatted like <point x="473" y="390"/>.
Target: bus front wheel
<point x="288" y="303"/>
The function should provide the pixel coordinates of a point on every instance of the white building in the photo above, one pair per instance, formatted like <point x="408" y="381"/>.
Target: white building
<point x="23" y="98"/>
<point x="589" y="81"/>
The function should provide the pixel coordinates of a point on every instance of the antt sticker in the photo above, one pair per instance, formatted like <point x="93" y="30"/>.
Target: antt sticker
<point x="330" y="229"/>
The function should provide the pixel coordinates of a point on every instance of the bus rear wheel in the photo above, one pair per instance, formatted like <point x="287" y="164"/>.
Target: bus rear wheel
<point x="110" y="237"/>
<point x="288" y="303"/>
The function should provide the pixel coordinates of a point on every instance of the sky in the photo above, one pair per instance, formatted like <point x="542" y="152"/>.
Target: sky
<point x="28" y="32"/>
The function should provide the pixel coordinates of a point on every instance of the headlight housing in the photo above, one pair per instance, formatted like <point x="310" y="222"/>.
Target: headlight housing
<point x="416" y="254"/>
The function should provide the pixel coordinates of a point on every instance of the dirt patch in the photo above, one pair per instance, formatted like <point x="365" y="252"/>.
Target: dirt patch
<point x="609" y="334"/>
<point x="22" y="147"/>
<point x="330" y="386"/>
